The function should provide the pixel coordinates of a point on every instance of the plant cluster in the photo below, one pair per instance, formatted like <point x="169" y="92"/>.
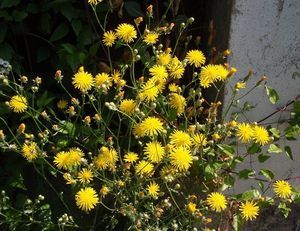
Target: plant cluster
<point x="138" y="149"/>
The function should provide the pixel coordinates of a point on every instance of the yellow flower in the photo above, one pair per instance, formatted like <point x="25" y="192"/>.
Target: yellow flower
<point x="106" y="158"/>
<point x="103" y="81"/>
<point x="180" y="138"/>
<point x="191" y="207"/>
<point x="164" y="59"/>
<point x="282" y="188"/>
<point x="126" y="32"/>
<point x="144" y="169"/>
<point x="116" y="76"/>
<point x="158" y="72"/>
<point x="154" y="151"/>
<point x="240" y="85"/>
<point x="212" y="73"/>
<point x="173" y="87"/>
<point x="199" y="140"/>
<point x="30" y="151"/>
<point x="149" y="92"/>
<point x="216" y="201"/>
<point x="18" y="103"/>
<point x="104" y="190"/>
<point x="128" y="106"/>
<point x="94" y="2"/>
<point x="68" y="159"/>
<point x="62" y="104"/>
<point x="151" y="126"/>
<point x="177" y="102"/>
<point x="85" y="176"/>
<point x="195" y="57"/>
<point x="83" y="80"/>
<point x="260" y="135"/>
<point x="151" y="38"/>
<point x="153" y="189"/>
<point x="181" y="158"/>
<point x="68" y="178"/>
<point x="249" y="210"/>
<point x="131" y="157"/>
<point x="86" y="199"/>
<point x="176" y="68"/>
<point x="109" y="38"/>
<point x="244" y="132"/>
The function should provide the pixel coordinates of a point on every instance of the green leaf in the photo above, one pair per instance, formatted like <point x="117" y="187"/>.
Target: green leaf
<point x="76" y="25"/>
<point x="246" y="173"/>
<point x="288" y="152"/>
<point x="133" y="8"/>
<point x="6" y="51"/>
<point x="275" y="132"/>
<point x="273" y="148"/>
<point x="18" y="182"/>
<point x="284" y="209"/>
<point x="227" y="149"/>
<point x="85" y="36"/>
<point x="262" y="158"/>
<point x="69" y="48"/>
<point x="272" y="94"/>
<point x="45" y="23"/>
<point x="251" y="194"/>
<point x="291" y="132"/>
<point x="60" y="32"/>
<point x="43" y="53"/>
<point x="254" y="148"/>
<point x="19" y="15"/>
<point x="9" y="3"/>
<point x="296" y="74"/>
<point x="44" y="100"/>
<point x="237" y="222"/>
<point x="67" y="128"/>
<point x="296" y="107"/>
<point x="267" y="173"/>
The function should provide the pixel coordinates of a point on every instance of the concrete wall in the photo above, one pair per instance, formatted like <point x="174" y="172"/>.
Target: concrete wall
<point x="265" y="37"/>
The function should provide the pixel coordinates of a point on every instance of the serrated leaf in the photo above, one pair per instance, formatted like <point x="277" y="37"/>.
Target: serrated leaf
<point x="227" y="149"/>
<point x="273" y="148"/>
<point x="267" y="173"/>
<point x="272" y="94"/>
<point x="251" y="194"/>
<point x="246" y="173"/>
<point x="288" y="152"/>
<point x="60" y="32"/>
<point x="262" y="158"/>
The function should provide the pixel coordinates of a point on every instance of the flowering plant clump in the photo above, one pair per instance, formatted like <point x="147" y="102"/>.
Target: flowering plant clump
<point x="129" y="143"/>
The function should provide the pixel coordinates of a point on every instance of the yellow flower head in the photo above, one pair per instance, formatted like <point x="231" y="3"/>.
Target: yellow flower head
<point x="176" y="68"/>
<point x="191" y="207"/>
<point x="153" y="189"/>
<point x="244" y="132"/>
<point x="260" y="135"/>
<point x="199" y="140"/>
<point x="144" y="169"/>
<point x="126" y="32"/>
<point x="62" y="104"/>
<point x="131" y="157"/>
<point x="149" y="92"/>
<point x="68" y="159"/>
<point x="68" y="178"/>
<point x="154" y="151"/>
<point x="164" y="59"/>
<point x="216" y="201"/>
<point x="173" y="87"/>
<point x="282" y="188"/>
<point x="86" y="199"/>
<point x="212" y="73"/>
<point x="30" y="151"/>
<point x="116" y="76"/>
<point x="181" y="158"/>
<point x="158" y="72"/>
<point x="103" y="80"/>
<point x="85" y="176"/>
<point x="18" y="103"/>
<point x="223" y="73"/>
<point x="249" y="210"/>
<point x="109" y="38"/>
<point x="151" y="126"/>
<point x="83" y="81"/>
<point x="104" y="190"/>
<point x="240" y="85"/>
<point x="180" y="138"/>
<point x="109" y="156"/>
<point x="128" y="106"/>
<point x="177" y="102"/>
<point x="151" y="38"/>
<point x="94" y="2"/>
<point x="195" y="57"/>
